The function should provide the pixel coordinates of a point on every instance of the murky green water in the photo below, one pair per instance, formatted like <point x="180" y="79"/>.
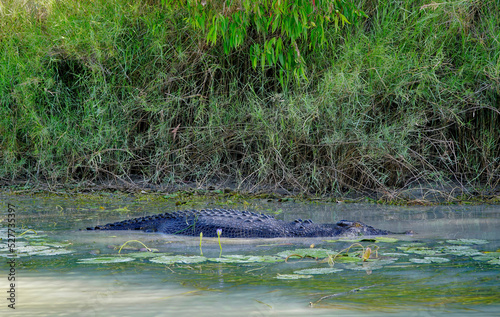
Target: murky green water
<point x="450" y="267"/>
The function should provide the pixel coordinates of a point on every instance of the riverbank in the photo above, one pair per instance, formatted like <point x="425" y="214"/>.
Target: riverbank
<point x="94" y="93"/>
<point x="228" y="193"/>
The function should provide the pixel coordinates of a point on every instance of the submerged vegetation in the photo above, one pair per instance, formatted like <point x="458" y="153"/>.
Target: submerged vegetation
<point x="115" y="89"/>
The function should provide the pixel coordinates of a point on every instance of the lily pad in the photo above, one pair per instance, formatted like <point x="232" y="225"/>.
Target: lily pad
<point x="31" y="248"/>
<point x="492" y="253"/>
<point x="467" y="241"/>
<point x="436" y="259"/>
<point x="292" y="276"/>
<point x="393" y="254"/>
<point x="246" y="259"/>
<point x="30" y="235"/>
<point x="352" y="240"/>
<point x="386" y="240"/>
<point x="12" y="256"/>
<point x="343" y="258"/>
<point x="139" y="255"/>
<point x="180" y="259"/>
<point x="461" y="250"/>
<point x="105" y="260"/>
<point x="494" y="261"/>
<point x="483" y="258"/>
<point x="58" y="245"/>
<point x="429" y="259"/>
<point x="309" y="252"/>
<point x="420" y="261"/>
<point x="422" y="251"/>
<point x="327" y="270"/>
<point x="51" y="252"/>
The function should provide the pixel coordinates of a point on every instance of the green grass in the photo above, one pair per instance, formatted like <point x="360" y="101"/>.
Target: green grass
<point x="93" y="91"/>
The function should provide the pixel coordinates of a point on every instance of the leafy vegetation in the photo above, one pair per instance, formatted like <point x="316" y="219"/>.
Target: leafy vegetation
<point x="111" y="90"/>
<point x="275" y="27"/>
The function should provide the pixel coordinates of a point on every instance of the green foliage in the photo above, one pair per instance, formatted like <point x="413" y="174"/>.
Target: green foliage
<point x="270" y="29"/>
<point x="104" y="90"/>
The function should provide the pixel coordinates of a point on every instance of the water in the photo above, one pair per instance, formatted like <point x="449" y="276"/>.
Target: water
<point x="430" y="273"/>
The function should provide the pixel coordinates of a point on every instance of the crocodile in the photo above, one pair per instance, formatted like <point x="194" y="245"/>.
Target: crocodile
<point x="231" y="223"/>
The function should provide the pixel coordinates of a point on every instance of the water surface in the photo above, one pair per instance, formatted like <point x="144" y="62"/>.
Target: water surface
<point x="447" y="268"/>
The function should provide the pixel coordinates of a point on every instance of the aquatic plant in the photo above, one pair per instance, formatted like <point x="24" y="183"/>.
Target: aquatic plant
<point x="219" y="232"/>
<point x="429" y="259"/>
<point x="247" y="259"/>
<point x="318" y="271"/>
<point x="364" y="256"/>
<point x="292" y="276"/>
<point x="105" y="260"/>
<point x="26" y="231"/>
<point x="201" y="238"/>
<point x="178" y="259"/>
<point x="314" y="253"/>
<point x="129" y="241"/>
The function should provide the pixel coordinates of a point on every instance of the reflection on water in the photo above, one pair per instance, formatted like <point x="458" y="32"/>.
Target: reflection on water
<point x="443" y="270"/>
<point x="68" y="295"/>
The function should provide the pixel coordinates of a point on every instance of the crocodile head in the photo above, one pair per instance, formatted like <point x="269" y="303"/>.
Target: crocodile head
<point x="356" y="228"/>
<point x="307" y="228"/>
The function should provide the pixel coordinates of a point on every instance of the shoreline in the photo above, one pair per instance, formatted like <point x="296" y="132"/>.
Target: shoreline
<point x="426" y="194"/>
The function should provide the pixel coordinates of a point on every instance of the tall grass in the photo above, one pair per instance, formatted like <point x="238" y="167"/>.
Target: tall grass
<point x="111" y="89"/>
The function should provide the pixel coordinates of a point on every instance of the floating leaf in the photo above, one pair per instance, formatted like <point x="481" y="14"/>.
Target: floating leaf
<point x="429" y="259"/>
<point x="58" y="245"/>
<point x="351" y="240"/>
<point x="467" y="241"/>
<point x="494" y="261"/>
<point x="406" y="248"/>
<point x="392" y="254"/>
<point x="246" y="259"/>
<point x="171" y="259"/>
<point x="327" y="270"/>
<point x="368" y="266"/>
<point x="105" y="260"/>
<point x="139" y="255"/>
<point x="31" y="248"/>
<point x="420" y="261"/>
<point x="345" y="258"/>
<point x="483" y="258"/>
<point x="492" y="253"/>
<point x="461" y="250"/>
<point x="33" y="236"/>
<point x="386" y="240"/>
<point x="435" y="259"/>
<point x="292" y="276"/>
<point x="15" y="255"/>
<point x="419" y="250"/>
<point x="310" y="252"/>
<point x="51" y="252"/>
<point x="412" y="245"/>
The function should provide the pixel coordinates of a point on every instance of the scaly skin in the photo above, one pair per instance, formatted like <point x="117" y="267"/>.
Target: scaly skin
<point x="238" y="224"/>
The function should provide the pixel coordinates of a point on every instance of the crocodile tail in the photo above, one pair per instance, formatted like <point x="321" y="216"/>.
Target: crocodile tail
<point x="148" y="224"/>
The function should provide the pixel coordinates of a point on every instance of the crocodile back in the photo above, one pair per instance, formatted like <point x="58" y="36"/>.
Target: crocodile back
<point x="231" y="223"/>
